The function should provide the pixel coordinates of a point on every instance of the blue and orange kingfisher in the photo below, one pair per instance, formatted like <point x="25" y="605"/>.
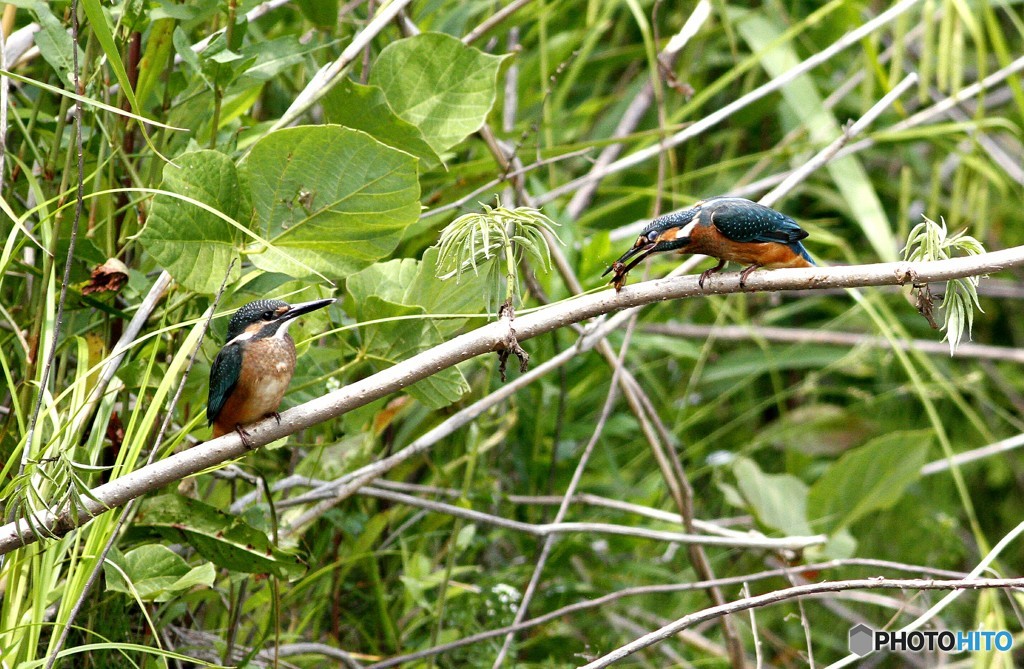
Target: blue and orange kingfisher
<point x="727" y="228"/>
<point x="251" y="373"/>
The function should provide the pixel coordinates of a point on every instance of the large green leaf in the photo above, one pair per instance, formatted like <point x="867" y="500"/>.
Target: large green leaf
<point x="195" y="245"/>
<point x="440" y="85"/>
<point x="329" y="198"/>
<point x="222" y="539"/>
<point x="385" y="344"/>
<point x="409" y="287"/>
<point x="778" y="501"/>
<point x="384" y="291"/>
<point x="156" y="573"/>
<point x="414" y="283"/>
<point x="867" y="479"/>
<point x="365" y="108"/>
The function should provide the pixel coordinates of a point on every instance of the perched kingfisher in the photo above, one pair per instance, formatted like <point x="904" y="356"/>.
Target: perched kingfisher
<point x="727" y="228"/>
<point x="252" y="371"/>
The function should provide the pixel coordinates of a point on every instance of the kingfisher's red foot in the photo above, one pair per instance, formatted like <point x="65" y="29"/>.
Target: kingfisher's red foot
<point x="745" y="273"/>
<point x="244" y="436"/>
<point x="708" y="272"/>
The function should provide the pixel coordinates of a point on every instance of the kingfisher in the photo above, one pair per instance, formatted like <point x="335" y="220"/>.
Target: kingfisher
<point x="251" y="373"/>
<point x="727" y="228"/>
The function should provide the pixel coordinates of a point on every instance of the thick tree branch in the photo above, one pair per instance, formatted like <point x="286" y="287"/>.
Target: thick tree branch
<point x="486" y="339"/>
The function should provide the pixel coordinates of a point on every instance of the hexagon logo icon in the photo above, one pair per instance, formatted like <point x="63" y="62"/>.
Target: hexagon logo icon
<point x="862" y="639"/>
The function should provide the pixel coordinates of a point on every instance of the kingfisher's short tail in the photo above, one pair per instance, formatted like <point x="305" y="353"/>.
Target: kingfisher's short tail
<point x="799" y="249"/>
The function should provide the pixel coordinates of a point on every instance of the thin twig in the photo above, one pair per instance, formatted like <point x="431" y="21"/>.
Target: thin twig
<point x="724" y="112"/>
<point x="832" y="338"/>
<point x="331" y="73"/>
<point x="584" y="499"/>
<point x="494" y="19"/>
<point x="503" y="178"/>
<point x="124" y="344"/>
<point x="791" y="179"/>
<point x="826" y="155"/>
<point x="556" y="528"/>
<point x="972" y="582"/>
<point x="661" y="588"/>
<point x="570" y="491"/>
<point x="637" y="108"/>
<point x="1003" y="446"/>
<point x="785" y="594"/>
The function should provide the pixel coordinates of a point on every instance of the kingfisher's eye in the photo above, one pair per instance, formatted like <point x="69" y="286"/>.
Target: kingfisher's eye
<point x="267" y="315"/>
<point x="652" y="236"/>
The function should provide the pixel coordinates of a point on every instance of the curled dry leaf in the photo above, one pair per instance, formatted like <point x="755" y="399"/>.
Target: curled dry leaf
<point x="108" y="277"/>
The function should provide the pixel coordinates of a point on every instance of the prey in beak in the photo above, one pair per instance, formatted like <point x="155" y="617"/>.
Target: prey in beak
<point x="642" y="248"/>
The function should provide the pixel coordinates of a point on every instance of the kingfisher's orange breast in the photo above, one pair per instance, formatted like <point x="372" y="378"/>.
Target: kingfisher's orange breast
<point x="267" y="368"/>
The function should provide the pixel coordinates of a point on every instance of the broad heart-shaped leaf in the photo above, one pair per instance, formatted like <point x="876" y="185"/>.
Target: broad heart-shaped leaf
<point x="466" y="294"/>
<point x="365" y="108"/>
<point x="409" y="287"/>
<point x="329" y="198"/>
<point x="385" y="344"/>
<point x="869" y="478"/>
<point x="196" y="246"/>
<point x="414" y="283"/>
<point x="440" y="85"/>
<point x="222" y="539"/>
<point x="156" y="573"/>
<point x="778" y="501"/>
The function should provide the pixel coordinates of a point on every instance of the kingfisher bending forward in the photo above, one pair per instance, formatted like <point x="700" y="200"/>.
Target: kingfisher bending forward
<point x="251" y="373"/>
<point x="727" y="228"/>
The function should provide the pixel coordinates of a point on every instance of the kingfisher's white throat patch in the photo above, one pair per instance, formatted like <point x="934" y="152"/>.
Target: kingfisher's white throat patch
<point x="679" y="233"/>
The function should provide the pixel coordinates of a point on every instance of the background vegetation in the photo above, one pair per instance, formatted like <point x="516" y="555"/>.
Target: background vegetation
<point x="823" y="418"/>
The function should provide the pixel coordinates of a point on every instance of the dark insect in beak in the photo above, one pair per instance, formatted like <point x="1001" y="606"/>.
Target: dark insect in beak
<point x="644" y="247"/>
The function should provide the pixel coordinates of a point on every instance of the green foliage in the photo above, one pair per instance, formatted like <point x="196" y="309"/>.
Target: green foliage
<point x="196" y="244"/>
<point x="226" y="541"/>
<point x="328" y="200"/>
<point x="868" y="479"/>
<point x="779" y="501"/>
<point x="365" y="108"/>
<point x="792" y="414"/>
<point x="496" y="232"/>
<point x="154" y="573"/>
<point x="930" y="241"/>
<point x="438" y="84"/>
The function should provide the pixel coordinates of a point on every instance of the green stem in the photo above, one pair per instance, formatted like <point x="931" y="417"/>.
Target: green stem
<point x="218" y="90"/>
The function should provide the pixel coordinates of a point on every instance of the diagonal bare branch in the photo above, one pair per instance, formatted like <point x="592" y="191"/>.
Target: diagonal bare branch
<point x="486" y="339"/>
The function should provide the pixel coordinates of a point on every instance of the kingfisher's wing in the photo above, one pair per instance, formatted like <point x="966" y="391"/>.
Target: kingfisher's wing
<point x="223" y="377"/>
<point x="752" y="222"/>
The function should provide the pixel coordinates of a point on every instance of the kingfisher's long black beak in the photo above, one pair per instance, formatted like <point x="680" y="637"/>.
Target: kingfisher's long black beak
<point x="642" y="246"/>
<point x="297" y="310"/>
